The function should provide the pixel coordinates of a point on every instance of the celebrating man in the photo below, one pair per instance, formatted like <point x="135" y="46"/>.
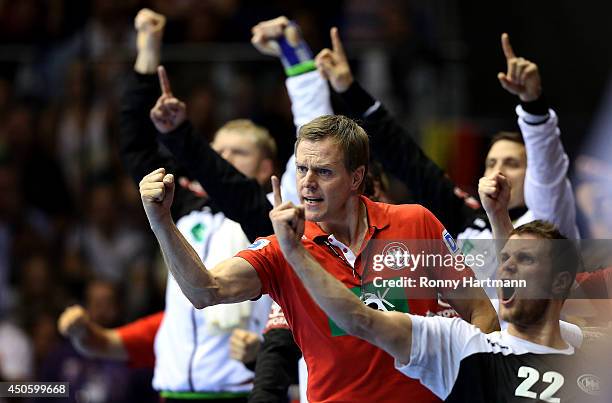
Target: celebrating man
<point x="529" y="361"/>
<point x="331" y="160"/>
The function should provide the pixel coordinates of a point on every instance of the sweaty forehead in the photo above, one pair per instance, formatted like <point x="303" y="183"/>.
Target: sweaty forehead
<point x="322" y="152"/>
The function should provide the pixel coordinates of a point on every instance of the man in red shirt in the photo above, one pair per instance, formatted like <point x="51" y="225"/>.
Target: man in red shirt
<point x="332" y="154"/>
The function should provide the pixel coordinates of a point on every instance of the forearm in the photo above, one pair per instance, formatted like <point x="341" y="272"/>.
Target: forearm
<point x="474" y="306"/>
<point x="96" y="342"/>
<point x="137" y="144"/>
<point x="484" y="316"/>
<point x="148" y="58"/>
<point x="342" y="306"/>
<point x="402" y="157"/>
<point x="501" y="226"/>
<point x="548" y="192"/>
<point x="196" y="282"/>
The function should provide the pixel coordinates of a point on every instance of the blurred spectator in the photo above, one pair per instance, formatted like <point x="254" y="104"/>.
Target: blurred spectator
<point x="15" y="353"/>
<point x="23" y="230"/>
<point x="107" y="245"/>
<point x="41" y="175"/>
<point x="201" y="111"/>
<point x="39" y="292"/>
<point x="82" y="139"/>
<point x="95" y="380"/>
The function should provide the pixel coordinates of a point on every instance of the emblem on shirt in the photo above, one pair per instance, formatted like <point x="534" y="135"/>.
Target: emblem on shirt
<point x="450" y="242"/>
<point x="276" y="319"/>
<point x="259" y="244"/>
<point x="198" y="231"/>
<point x="380" y="298"/>
<point x="589" y="384"/>
<point x="376" y="300"/>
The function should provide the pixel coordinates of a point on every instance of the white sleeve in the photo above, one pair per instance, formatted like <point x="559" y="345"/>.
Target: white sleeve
<point x="309" y="96"/>
<point x="548" y="191"/>
<point x="571" y="333"/>
<point x="438" y="346"/>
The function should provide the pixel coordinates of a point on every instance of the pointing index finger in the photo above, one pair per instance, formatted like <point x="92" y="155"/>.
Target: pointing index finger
<point x="336" y="42"/>
<point x="164" y="83"/>
<point x="278" y="200"/>
<point x="508" y="52"/>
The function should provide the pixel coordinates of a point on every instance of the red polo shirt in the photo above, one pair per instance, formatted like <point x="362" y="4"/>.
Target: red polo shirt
<point x="342" y="367"/>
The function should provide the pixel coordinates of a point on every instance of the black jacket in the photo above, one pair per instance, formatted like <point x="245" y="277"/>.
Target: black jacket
<point x="241" y="199"/>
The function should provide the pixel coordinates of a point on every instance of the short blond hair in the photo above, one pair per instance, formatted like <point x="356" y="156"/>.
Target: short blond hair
<point x="350" y="137"/>
<point x="263" y="139"/>
<point x="345" y="132"/>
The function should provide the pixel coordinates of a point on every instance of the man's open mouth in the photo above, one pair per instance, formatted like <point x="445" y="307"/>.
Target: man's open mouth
<point x="507" y="294"/>
<point x="312" y="200"/>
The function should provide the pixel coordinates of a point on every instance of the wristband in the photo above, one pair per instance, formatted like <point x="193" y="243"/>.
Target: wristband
<point x="296" y="56"/>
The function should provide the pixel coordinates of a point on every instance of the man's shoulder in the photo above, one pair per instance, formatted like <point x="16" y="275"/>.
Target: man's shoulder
<point x="412" y="217"/>
<point x="267" y="242"/>
<point x="413" y="211"/>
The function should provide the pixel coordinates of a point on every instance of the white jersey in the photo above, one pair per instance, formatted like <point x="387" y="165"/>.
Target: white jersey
<point x="459" y="363"/>
<point x="548" y="195"/>
<point x="192" y="346"/>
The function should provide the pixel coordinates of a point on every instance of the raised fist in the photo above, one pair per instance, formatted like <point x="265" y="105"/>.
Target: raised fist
<point x="522" y="77"/>
<point x="288" y="221"/>
<point x="150" y="28"/>
<point x="157" y="193"/>
<point x="244" y="345"/>
<point x="73" y="321"/>
<point x="266" y="33"/>
<point x="494" y="193"/>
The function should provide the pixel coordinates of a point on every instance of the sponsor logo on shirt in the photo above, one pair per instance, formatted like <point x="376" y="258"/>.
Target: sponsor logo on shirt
<point x="589" y="384"/>
<point x="276" y="319"/>
<point x="198" y="231"/>
<point x="380" y="298"/>
<point x="450" y="242"/>
<point x="259" y="244"/>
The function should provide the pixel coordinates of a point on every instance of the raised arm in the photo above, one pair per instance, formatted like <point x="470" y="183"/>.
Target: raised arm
<point x="139" y="150"/>
<point x="395" y="148"/>
<point x="548" y="191"/>
<point x="308" y="91"/>
<point x="233" y="280"/>
<point x="494" y="194"/>
<point x="391" y="331"/>
<point x="240" y="198"/>
<point x="89" y="338"/>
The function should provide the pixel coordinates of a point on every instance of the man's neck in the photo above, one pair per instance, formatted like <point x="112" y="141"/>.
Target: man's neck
<point x="349" y="228"/>
<point x="545" y="332"/>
